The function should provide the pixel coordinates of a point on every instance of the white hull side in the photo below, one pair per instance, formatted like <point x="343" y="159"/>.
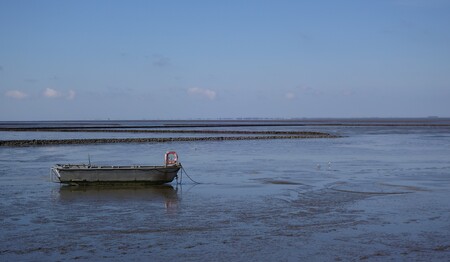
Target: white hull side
<point x="115" y="174"/>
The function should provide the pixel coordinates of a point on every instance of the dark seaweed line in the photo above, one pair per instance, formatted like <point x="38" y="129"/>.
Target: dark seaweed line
<point x="240" y="132"/>
<point x="36" y="142"/>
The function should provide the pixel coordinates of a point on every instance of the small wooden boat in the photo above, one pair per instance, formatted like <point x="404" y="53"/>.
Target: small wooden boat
<point x="86" y="174"/>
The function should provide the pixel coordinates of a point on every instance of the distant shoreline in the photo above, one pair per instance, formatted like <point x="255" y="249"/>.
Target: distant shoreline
<point x="83" y="127"/>
<point x="209" y="123"/>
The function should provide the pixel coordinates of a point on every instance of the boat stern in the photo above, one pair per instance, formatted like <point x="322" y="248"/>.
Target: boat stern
<point x="54" y="174"/>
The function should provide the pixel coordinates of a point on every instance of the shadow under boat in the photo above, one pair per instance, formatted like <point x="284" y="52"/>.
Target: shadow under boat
<point x="166" y="194"/>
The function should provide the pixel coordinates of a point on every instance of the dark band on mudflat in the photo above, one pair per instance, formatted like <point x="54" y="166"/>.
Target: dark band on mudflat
<point x="39" y="142"/>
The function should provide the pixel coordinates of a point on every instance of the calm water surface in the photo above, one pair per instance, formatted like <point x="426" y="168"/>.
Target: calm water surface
<point x="378" y="193"/>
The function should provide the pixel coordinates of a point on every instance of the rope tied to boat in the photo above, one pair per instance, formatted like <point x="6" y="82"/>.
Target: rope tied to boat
<point x="181" y="176"/>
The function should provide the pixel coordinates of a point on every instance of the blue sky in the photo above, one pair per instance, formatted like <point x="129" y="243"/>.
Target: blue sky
<point x="87" y="59"/>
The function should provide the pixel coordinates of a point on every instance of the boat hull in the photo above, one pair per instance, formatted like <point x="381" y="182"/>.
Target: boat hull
<point x="86" y="174"/>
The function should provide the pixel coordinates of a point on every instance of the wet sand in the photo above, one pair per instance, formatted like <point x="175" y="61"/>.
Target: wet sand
<point x="369" y="197"/>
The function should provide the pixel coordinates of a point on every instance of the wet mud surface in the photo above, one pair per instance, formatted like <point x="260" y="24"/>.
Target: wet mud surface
<point x="360" y="197"/>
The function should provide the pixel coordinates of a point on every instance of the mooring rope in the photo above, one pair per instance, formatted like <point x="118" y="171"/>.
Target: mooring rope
<point x="184" y="170"/>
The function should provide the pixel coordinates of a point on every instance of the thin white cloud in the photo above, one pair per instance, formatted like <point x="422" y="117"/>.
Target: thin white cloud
<point x="71" y="95"/>
<point x="16" y="94"/>
<point x="206" y="93"/>
<point x="51" y="93"/>
<point x="289" y="96"/>
<point x="307" y="90"/>
<point x="347" y="92"/>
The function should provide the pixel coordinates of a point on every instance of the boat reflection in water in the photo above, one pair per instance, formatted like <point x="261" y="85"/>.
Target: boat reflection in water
<point x="161" y="194"/>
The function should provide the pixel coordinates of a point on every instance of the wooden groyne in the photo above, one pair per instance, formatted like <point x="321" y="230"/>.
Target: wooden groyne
<point x="163" y="131"/>
<point x="44" y="142"/>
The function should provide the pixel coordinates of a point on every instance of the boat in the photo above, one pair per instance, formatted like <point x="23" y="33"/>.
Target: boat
<point x="87" y="174"/>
